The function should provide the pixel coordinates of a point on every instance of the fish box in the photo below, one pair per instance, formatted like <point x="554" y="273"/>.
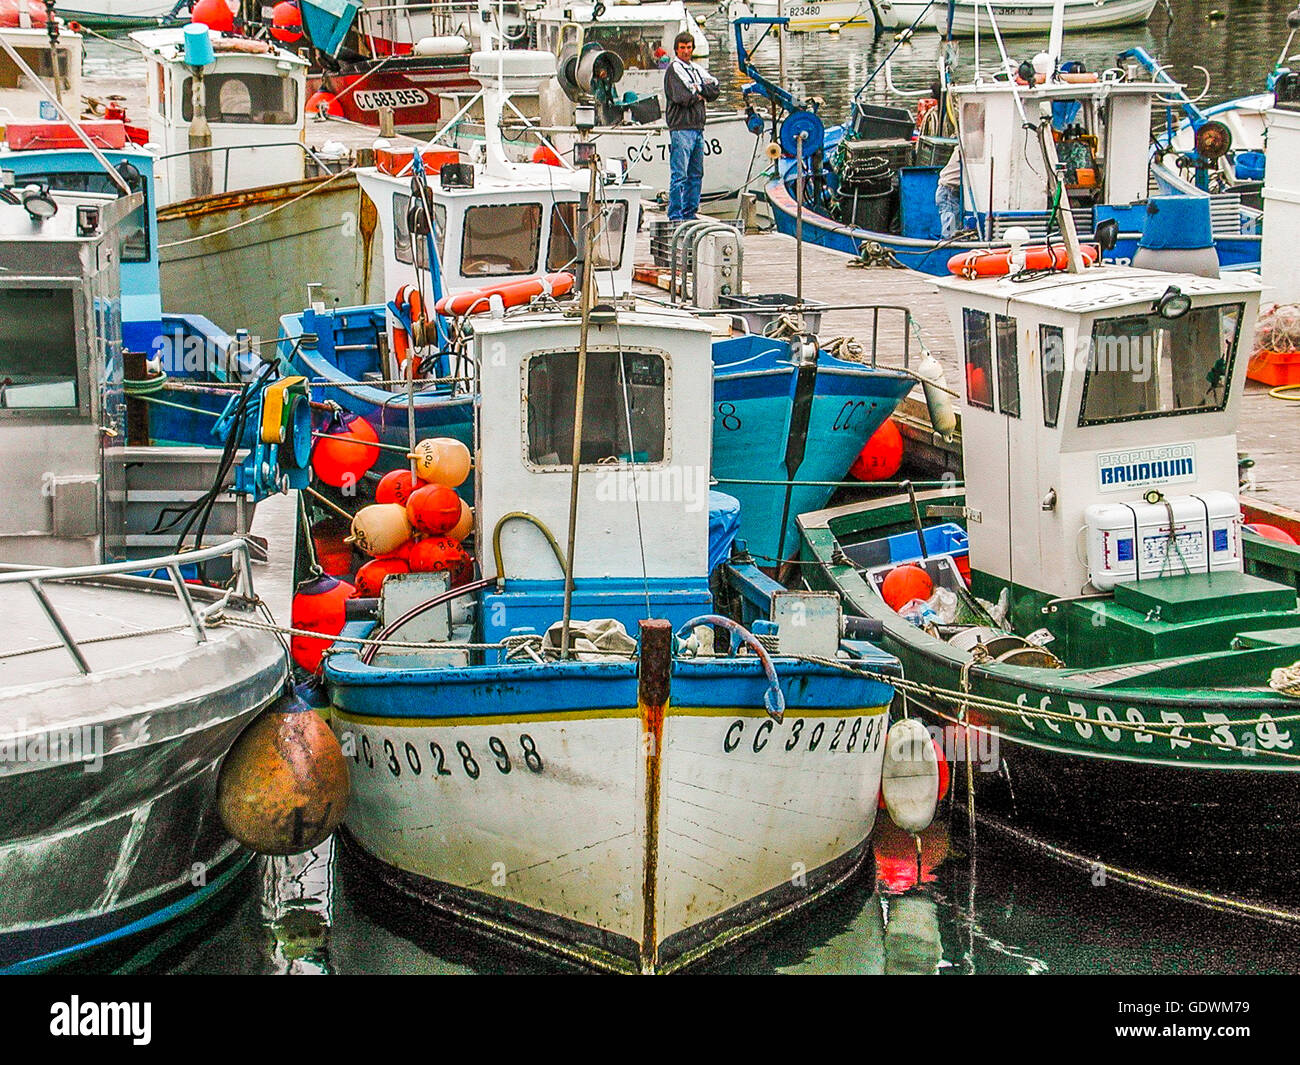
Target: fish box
<point x="1135" y="541"/>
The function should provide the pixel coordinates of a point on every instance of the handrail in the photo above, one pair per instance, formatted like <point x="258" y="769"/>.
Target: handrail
<point x="36" y="577"/>
<point x="228" y="148"/>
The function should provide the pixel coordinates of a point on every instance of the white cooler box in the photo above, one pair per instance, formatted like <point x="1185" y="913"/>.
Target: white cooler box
<point x="1130" y="541"/>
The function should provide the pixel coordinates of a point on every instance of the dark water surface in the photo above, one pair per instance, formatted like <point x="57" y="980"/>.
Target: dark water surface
<point x="1019" y="913"/>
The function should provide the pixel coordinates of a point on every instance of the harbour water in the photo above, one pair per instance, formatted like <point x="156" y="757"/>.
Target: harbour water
<point x="1002" y="909"/>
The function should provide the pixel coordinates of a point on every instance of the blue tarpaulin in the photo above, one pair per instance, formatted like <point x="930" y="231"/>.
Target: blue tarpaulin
<point x="724" y="523"/>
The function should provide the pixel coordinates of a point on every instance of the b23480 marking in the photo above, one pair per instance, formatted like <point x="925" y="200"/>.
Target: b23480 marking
<point x="797" y="734"/>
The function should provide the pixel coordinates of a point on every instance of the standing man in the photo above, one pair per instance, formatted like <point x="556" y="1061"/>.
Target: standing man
<point x="947" y="196"/>
<point x="687" y="89"/>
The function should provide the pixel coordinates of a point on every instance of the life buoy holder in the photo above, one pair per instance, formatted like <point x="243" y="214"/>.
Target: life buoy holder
<point x="409" y="324"/>
<point x="996" y="262"/>
<point x="512" y="293"/>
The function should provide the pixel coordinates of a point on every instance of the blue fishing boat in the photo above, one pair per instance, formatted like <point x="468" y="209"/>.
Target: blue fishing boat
<point x="715" y="791"/>
<point x="868" y="186"/>
<point x="788" y="419"/>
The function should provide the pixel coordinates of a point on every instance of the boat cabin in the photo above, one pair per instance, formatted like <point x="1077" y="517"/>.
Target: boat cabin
<point x="643" y="508"/>
<point x="29" y="38"/>
<point x="1100" y="129"/>
<point x="1099" y="427"/>
<point x="253" y="104"/>
<point x="61" y="403"/>
<point x="501" y="221"/>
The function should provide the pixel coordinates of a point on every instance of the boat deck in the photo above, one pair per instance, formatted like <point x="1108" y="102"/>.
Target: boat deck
<point x="1268" y="426"/>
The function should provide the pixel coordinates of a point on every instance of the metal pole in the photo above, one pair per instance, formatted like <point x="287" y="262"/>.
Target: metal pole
<point x="580" y="394"/>
<point x="798" y="219"/>
<point x="654" y="679"/>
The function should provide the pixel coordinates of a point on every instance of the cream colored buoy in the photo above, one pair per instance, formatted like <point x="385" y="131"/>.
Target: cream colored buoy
<point x="380" y="528"/>
<point x="937" y="396"/>
<point x="441" y="460"/>
<point x="910" y="778"/>
<point x="465" y="526"/>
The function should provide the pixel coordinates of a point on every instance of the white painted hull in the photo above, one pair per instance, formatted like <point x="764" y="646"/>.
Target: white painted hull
<point x="563" y="852"/>
<point x="807" y="16"/>
<point x="1026" y="16"/>
<point x="734" y="159"/>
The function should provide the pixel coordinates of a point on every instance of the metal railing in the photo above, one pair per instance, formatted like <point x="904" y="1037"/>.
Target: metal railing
<point x="243" y="586"/>
<point x="322" y="164"/>
<point x="384" y="22"/>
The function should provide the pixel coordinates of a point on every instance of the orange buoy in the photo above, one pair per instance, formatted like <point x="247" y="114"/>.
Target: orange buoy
<point x="543" y="153"/>
<point x="318" y="605"/>
<point x="331" y="102"/>
<point x="11" y="13"/>
<point x="345" y="452"/>
<point x="396" y="487"/>
<point x="512" y="293"/>
<point x="977" y="386"/>
<point x="286" y="22"/>
<point x="434" y="508"/>
<point x="437" y="553"/>
<point x="905" y="583"/>
<point x="380" y="529"/>
<point x="283" y="785"/>
<point x="465" y="526"/>
<point x="995" y="262"/>
<point x="881" y="456"/>
<point x="944" y="772"/>
<point x="215" y="14"/>
<point x="441" y="460"/>
<point x="370" y="577"/>
<point x="1270" y="532"/>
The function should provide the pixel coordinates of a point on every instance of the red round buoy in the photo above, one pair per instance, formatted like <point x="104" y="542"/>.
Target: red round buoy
<point x="396" y="487"/>
<point x="944" y="772"/>
<point x="344" y="454"/>
<point x="544" y="153"/>
<point x="977" y="386"/>
<point x="332" y="106"/>
<point x="437" y="553"/>
<point x="1270" y="532"/>
<point x="215" y="14"/>
<point x="881" y="455"/>
<point x="905" y="583"/>
<point x="370" y="577"/>
<point x="435" y="509"/>
<point x="286" y="22"/>
<point x="318" y="605"/>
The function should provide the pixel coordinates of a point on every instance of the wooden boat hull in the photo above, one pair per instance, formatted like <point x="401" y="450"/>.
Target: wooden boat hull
<point x="1157" y="772"/>
<point x="526" y="803"/>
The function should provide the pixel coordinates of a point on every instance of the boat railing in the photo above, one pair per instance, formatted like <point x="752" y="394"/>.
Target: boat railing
<point x="381" y="26"/>
<point x="36" y="578"/>
<point x="226" y="149"/>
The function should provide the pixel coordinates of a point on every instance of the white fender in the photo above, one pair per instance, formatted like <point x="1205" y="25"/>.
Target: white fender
<point x="937" y="399"/>
<point x="910" y="779"/>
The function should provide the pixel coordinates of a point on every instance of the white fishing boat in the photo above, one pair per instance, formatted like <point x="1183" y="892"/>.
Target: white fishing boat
<point x="806" y="17"/>
<point x="119" y="694"/>
<point x="640" y="803"/>
<point x="1020" y="16"/>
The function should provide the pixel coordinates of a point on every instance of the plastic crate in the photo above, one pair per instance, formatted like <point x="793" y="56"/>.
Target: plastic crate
<point x="760" y="311"/>
<point x="881" y="122"/>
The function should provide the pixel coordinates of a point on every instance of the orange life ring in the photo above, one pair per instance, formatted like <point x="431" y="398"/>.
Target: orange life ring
<point x="408" y="300"/>
<point x="512" y="293"/>
<point x="995" y="262"/>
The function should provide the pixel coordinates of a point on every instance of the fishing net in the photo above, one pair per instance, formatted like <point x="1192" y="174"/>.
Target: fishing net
<point x="1278" y="329"/>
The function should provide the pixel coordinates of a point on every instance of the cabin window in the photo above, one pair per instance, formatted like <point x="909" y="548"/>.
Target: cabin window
<point x="1146" y="366"/>
<point x="403" y="247"/>
<point x="1008" y="366"/>
<point x="40" y="62"/>
<point x="1051" y="343"/>
<point x="501" y="240"/>
<point x="979" y="359"/>
<point x="972" y="131"/>
<point x="624" y="410"/>
<point x="38" y="349"/>
<point x="257" y="99"/>
<point x="562" y="254"/>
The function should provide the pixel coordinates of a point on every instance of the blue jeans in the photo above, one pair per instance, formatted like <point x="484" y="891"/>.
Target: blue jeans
<point x="686" y="160"/>
<point x="947" y="200"/>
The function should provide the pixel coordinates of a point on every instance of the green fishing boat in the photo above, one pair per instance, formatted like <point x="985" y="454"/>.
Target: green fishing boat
<point x="1085" y="610"/>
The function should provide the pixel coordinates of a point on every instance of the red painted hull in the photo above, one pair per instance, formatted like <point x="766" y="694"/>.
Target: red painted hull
<point x="409" y="85"/>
